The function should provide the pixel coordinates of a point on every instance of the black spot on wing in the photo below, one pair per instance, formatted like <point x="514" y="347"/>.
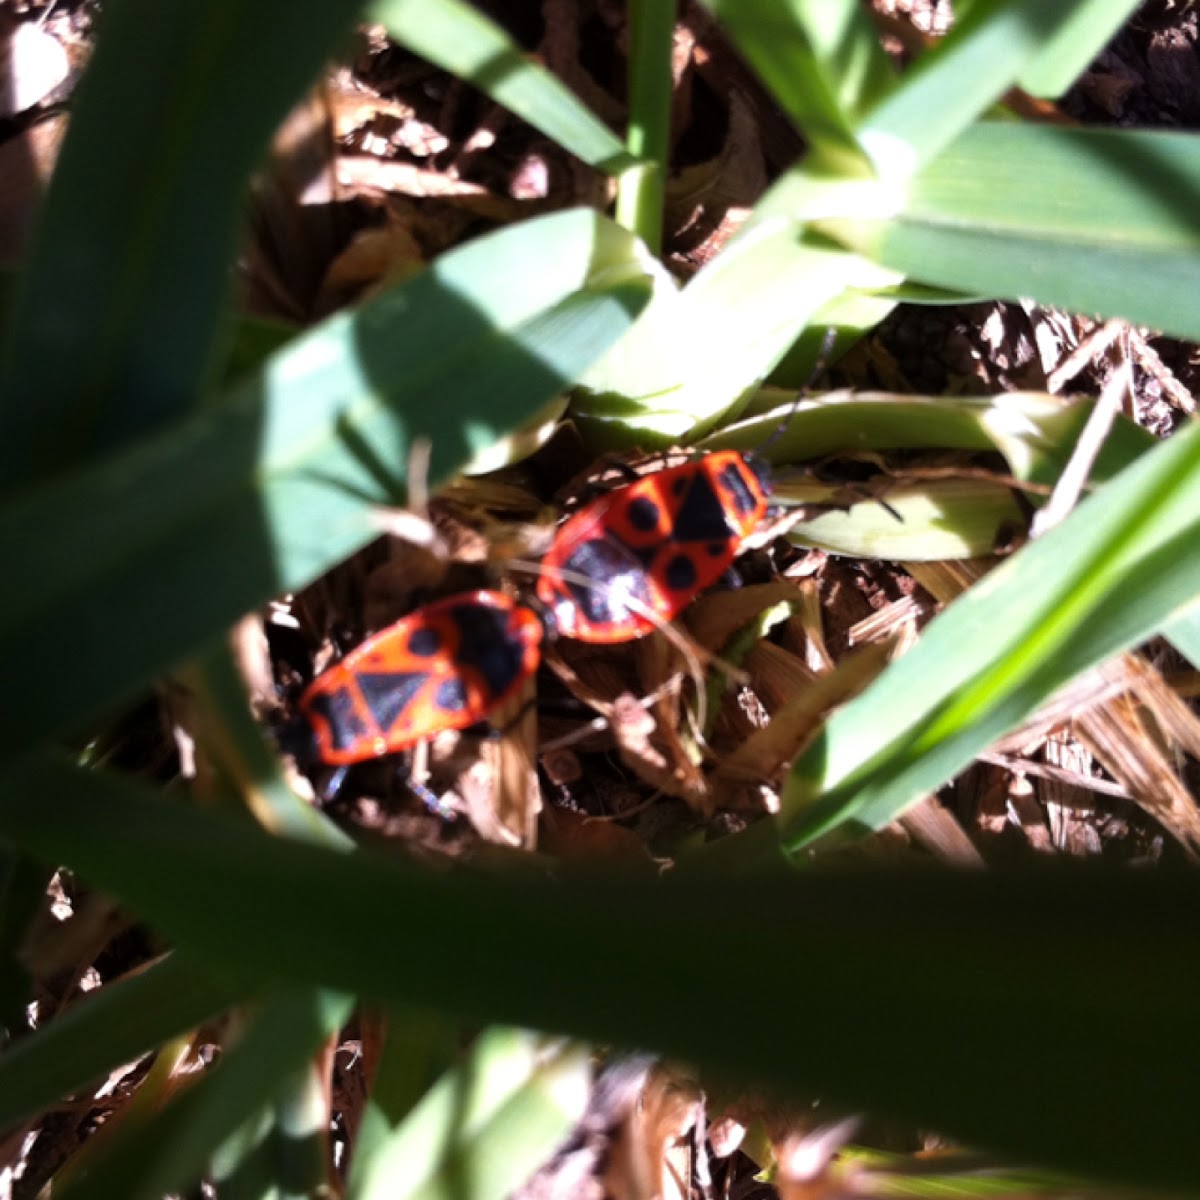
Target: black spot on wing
<point x="680" y="574"/>
<point x="486" y="644"/>
<point x="424" y="643"/>
<point x="389" y="693"/>
<point x="642" y="513"/>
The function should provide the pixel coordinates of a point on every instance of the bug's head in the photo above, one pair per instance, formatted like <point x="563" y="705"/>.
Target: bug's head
<point x="545" y="614"/>
<point x="295" y="736"/>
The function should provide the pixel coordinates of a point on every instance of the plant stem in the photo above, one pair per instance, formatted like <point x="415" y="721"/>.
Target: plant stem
<point x="640" y="189"/>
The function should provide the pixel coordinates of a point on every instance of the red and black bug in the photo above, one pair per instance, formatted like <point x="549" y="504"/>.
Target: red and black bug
<point x="640" y="554"/>
<point x="444" y="666"/>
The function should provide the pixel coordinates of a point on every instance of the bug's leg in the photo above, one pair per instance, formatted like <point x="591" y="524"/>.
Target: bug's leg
<point x="432" y="801"/>
<point x="294" y="736"/>
<point x="329" y="789"/>
<point x="415" y="778"/>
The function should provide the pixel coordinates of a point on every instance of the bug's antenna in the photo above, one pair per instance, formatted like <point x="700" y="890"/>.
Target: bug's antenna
<point x="828" y="341"/>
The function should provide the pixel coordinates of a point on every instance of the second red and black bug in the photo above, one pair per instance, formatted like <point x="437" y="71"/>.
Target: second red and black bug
<point x="640" y="554"/>
<point x="444" y="666"/>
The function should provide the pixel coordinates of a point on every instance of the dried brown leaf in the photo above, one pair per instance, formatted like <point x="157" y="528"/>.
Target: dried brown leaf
<point x="758" y="760"/>
<point x="714" y="619"/>
<point x="1117" y="734"/>
<point x="652" y="1157"/>
<point x="937" y="829"/>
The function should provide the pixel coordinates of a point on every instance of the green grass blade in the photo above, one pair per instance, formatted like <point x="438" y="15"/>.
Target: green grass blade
<point x="1067" y="54"/>
<point x="117" y="316"/>
<point x="641" y="189"/>
<point x="23" y="883"/>
<point x="931" y="521"/>
<point x="1123" y="566"/>
<point x="418" y="1048"/>
<point x="1034" y="431"/>
<point x="821" y="61"/>
<point x="282" y="1153"/>
<point x="1099" y="221"/>
<point x="147" y="555"/>
<point x="245" y="1165"/>
<point x="1184" y="634"/>
<point x="108" y="1027"/>
<point x="235" y="743"/>
<point x="690" y="360"/>
<point x="453" y="35"/>
<point x="168" y="1151"/>
<point x="485" y="1126"/>
<point x="628" y="960"/>
<point x="958" y="80"/>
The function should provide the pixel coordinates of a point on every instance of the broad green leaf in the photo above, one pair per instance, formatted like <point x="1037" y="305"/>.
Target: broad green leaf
<point x="952" y="84"/>
<point x="821" y="61"/>
<point x="234" y="741"/>
<point x="282" y="1152"/>
<point x="1097" y="221"/>
<point x="22" y="892"/>
<point x="951" y="1174"/>
<point x="1124" y="565"/>
<point x="1035" y="432"/>
<point x="131" y="565"/>
<point x="910" y="519"/>
<point x="108" y="1027"/>
<point x="860" y="1011"/>
<point x="168" y="1151"/>
<point x="692" y="357"/>
<point x="913" y="522"/>
<point x="641" y="189"/>
<point x="458" y="38"/>
<point x="1184" y="634"/>
<point x="116" y="318"/>
<point x="485" y="1126"/>
<point x="418" y="1048"/>
<point x="1065" y="56"/>
<point x="252" y="341"/>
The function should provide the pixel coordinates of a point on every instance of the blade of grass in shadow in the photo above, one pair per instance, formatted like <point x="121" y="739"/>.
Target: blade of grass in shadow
<point x="23" y="882"/>
<point x="149" y="554"/>
<point x="417" y="1048"/>
<point x="1124" y="565"/>
<point x="876" y="985"/>
<point x="108" y="1027"/>
<point x="485" y="1126"/>
<point x="234" y="740"/>
<point x="1098" y="221"/>
<point x="118" y="312"/>
<point x="456" y="37"/>
<point x="282" y="1152"/>
<point x="168" y="1151"/>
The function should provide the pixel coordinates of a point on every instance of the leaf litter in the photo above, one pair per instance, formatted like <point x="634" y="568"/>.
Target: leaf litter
<point x="409" y="163"/>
